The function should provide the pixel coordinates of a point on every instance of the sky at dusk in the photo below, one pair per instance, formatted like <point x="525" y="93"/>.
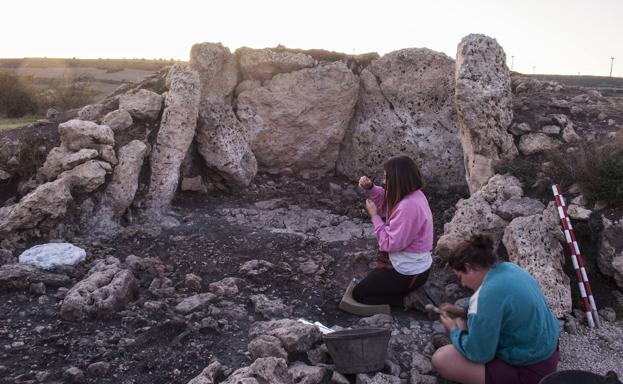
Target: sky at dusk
<point x="546" y="36"/>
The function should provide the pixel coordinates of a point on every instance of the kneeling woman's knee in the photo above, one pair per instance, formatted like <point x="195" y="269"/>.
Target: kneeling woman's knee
<point x="442" y="359"/>
<point x="358" y="293"/>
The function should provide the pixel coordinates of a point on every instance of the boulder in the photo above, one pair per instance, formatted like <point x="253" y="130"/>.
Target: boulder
<point x="52" y="255"/>
<point x="263" y="370"/>
<point x="120" y="192"/>
<point x="227" y="287"/>
<point x="177" y="130"/>
<point x="477" y="214"/>
<point x="195" y="302"/>
<point x="484" y="104"/>
<point x="91" y="112"/>
<point x="270" y="308"/>
<point x="142" y="104"/>
<point x="78" y="134"/>
<point x="217" y="68"/>
<point x="267" y="346"/>
<point x="88" y="176"/>
<point x="263" y="64"/>
<point x="48" y="201"/>
<point x="106" y="289"/>
<point x="223" y="142"/>
<point x="295" y="336"/>
<point x="519" y="206"/>
<point x="610" y="257"/>
<point x="406" y="107"/>
<point x="208" y="375"/>
<point x="61" y="159"/>
<point x="305" y="374"/>
<point x="118" y="120"/>
<point x="537" y="142"/>
<point x="530" y="245"/>
<point x="21" y="276"/>
<point x="297" y="120"/>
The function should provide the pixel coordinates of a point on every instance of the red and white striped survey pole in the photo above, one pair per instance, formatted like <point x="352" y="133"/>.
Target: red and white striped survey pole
<point x="578" y="262"/>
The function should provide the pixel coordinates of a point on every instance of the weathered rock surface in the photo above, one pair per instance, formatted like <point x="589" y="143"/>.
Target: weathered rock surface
<point x="537" y="142"/>
<point x="21" y="276"/>
<point x="88" y="176"/>
<point x="406" y="107"/>
<point x="223" y="142"/>
<point x="477" y="214"/>
<point x="208" y="375"/>
<point x="91" y="112"/>
<point x="142" y="104"/>
<point x="270" y="308"/>
<point x="610" y="258"/>
<point x="194" y="302"/>
<point x="79" y="134"/>
<point x="267" y="346"/>
<point x="531" y="246"/>
<point x="217" y="68"/>
<point x="295" y="336"/>
<point x="297" y="120"/>
<point x="118" y="120"/>
<point x="305" y="374"/>
<point x="60" y="159"/>
<point x="52" y="255"/>
<point x="120" y="192"/>
<point x="48" y="201"/>
<point x="263" y="370"/>
<point x="516" y="207"/>
<point x="484" y="105"/>
<point x="377" y="378"/>
<point x="107" y="288"/>
<point x="177" y="130"/>
<point x="263" y="64"/>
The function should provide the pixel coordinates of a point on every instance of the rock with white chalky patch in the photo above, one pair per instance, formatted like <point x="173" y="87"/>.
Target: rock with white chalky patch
<point x="270" y="308"/>
<point x="267" y="346"/>
<point x="227" y="287"/>
<point x="91" y="112"/>
<point x="421" y="363"/>
<point x="61" y="159"/>
<point x="88" y="176"/>
<point x="52" y="255"/>
<point x="533" y="143"/>
<point x="194" y="303"/>
<point x="295" y="336"/>
<point x="380" y="320"/>
<point x="519" y="206"/>
<point x="577" y="212"/>
<point x="78" y="134"/>
<point x="552" y="130"/>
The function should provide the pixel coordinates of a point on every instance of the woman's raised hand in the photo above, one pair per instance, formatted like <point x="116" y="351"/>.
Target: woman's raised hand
<point x="452" y="310"/>
<point x="365" y="182"/>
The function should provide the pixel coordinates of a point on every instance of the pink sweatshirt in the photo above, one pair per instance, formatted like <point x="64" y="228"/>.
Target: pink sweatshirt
<point x="410" y="226"/>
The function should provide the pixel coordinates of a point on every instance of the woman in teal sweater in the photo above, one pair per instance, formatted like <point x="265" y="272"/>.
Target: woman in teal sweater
<point x="507" y="333"/>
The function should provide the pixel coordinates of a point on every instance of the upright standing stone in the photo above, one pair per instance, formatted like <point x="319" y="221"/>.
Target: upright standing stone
<point x="484" y="104"/>
<point x="177" y="129"/>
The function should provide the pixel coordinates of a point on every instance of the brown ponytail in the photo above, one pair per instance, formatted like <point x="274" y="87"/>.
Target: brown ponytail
<point x="478" y="251"/>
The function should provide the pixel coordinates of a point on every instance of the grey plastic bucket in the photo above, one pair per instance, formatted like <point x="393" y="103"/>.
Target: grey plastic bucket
<point x="358" y="350"/>
<point x="579" y="377"/>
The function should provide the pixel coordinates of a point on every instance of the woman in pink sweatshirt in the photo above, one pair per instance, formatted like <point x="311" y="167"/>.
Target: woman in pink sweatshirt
<point x="405" y="237"/>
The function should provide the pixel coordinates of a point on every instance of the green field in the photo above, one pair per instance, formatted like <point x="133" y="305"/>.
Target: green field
<point x="14" y="123"/>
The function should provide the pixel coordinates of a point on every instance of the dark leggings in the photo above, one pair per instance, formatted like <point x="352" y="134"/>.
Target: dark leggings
<point x="386" y="286"/>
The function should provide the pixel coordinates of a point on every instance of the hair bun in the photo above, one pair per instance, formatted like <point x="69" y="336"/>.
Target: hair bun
<point x="482" y="240"/>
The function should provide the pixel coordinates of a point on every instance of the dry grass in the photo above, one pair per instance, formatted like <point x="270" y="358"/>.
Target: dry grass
<point x="17" y="122"/>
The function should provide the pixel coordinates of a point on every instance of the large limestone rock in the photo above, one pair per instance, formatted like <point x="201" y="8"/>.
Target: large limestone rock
<point x="107" y="288"/>
<point x="537" y="142"/>
<point x="610" y="258"/>
<point x="406" y="107"/>
<point x="298" y="119"/>
<point x="20" y="276"/>
<point x="87" y="177"/>
<point x="217" y="69"/>
<point x="295" y="336"/>
<point x="263" y="370"/>
<point x="61" y="159"/>
<point x="141" y="104"/>
<point x="477" y="214"/>
<point x="177" y="129"/>
<point x="533" y="247"/>
<point x="120" y="192"/>
<point x="52" y="255"/>
<point x="48" y="201"/>
<point x="263" y="64"/>
<point x="484" y="104"/>
<point x="118" y="120"/>
<point x="78" y="134"/>
<point x="223" y="142"/>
